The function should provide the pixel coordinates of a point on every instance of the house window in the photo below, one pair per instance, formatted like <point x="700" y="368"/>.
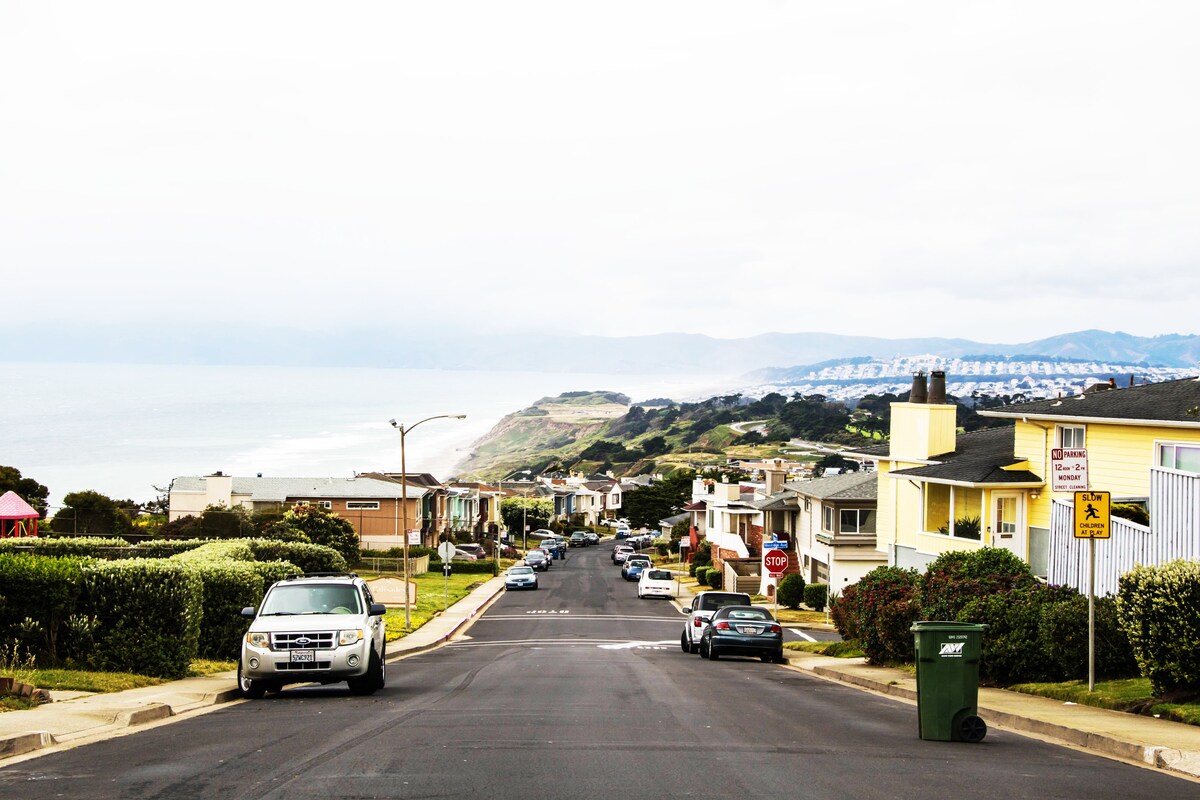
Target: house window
<point x="1183" y="457"/>
<point x="362" y="505"/>
<point x="711" y="519"/>
<point x="1070" y="437"/>
<point x="857" y="520"/>
<point x="827" y="519"/>
<point x="953" y="510"/>
<point x="325" y="504"/>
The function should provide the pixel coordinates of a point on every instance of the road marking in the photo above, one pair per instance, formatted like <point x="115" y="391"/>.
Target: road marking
<point x="536" y="642"/>
<point x="637" y="645"/>
<point x="802" y="634"/>
<point x="544" y="611"/>
<point x="578" y="617"/>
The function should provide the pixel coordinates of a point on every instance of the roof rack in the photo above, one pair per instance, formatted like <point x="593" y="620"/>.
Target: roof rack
<point x="291" y="576"/>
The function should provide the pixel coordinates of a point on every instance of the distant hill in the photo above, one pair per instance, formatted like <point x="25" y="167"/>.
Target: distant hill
<point x="667" y="353"/>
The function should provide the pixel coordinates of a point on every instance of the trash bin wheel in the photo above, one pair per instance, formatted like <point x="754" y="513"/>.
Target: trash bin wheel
<point x="970" y="728"/>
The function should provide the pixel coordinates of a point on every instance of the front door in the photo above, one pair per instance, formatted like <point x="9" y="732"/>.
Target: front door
<point x="1008" y="528"/>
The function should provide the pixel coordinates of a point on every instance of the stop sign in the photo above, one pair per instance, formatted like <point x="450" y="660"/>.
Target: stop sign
<point x="775" y="561"/>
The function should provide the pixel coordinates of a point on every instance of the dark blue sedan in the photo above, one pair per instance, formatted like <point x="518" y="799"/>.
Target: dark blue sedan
<point x="742" y="631"/>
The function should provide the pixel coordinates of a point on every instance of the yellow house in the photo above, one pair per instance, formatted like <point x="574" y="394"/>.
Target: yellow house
<point x="1143" y="447"/>
<point x="940" y="490"/>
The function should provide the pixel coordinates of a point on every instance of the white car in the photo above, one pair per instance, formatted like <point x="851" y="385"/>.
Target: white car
<point x="323" y="628"/>
<point x="656" y="583"/>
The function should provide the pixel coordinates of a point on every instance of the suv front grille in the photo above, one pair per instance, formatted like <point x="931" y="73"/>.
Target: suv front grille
<point x="320" y="640"/>
<point x="303" y="666"/>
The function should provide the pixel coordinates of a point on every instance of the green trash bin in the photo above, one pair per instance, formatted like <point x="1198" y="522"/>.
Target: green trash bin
<point x="948" y="680"/>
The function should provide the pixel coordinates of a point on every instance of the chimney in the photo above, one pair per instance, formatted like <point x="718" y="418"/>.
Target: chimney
<point x="919" y="393"/>
<point x="775" y="476"/>
<point x="937" y="388"/>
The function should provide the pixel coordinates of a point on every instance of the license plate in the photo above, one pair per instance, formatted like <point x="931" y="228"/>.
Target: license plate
<point x="301" y="655"/>
<point x="751" y="630"/>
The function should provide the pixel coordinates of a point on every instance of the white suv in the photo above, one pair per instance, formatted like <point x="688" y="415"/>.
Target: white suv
<point x="320" y="628"/>
<point x="703" y="606"/>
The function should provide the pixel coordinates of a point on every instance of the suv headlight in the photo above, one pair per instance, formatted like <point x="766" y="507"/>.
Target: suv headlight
<point x="349" y="637"/>
<point x="259" y="638"/>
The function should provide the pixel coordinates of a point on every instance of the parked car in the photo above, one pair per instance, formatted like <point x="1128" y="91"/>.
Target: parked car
<point x="520" y="577"/>
<point x="621" y="552"/>
<point x="592" y="538"/>
<point x="472" y="548"/>
<point x="702" y="607"/>
<point x="744" y="631"/>
<point x="319" y="629"/>
<point x="538" y="559"/>
<point x="623" y="531"/>
<point x="554" y="546"/>
<point x="577" y="539"/>
<point x="464" y="555"/>
<point x="634" y="569"/>
<point x="630" y="561"/>
<point x="656" y="583"/>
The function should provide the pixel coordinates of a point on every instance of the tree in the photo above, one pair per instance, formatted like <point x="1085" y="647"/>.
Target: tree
<point x="91" y="513"/>
<point x="309" y="523"/>
<point x="646" y="505"/>
<point x="532" y="511"/>
<point x="28" y="489"/>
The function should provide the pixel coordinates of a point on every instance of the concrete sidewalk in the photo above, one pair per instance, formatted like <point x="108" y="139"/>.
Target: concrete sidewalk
<point x="81" y="717"/>
<point x="1157" y="743"/>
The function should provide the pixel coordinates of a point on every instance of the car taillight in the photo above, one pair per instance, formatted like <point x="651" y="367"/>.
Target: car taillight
<point x="776" y="629"/>
<point x="722" y="625"/>
<point x="697" y="621"/>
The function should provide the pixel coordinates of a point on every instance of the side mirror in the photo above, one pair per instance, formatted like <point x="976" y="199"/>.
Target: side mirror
<point x="248" y="612"/>
<point x="377" y="610"/>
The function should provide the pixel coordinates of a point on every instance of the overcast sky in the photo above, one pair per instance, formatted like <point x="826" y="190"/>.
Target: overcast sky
<point x="1000" y="171"/>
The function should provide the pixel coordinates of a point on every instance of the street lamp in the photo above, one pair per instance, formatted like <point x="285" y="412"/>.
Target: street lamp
<point x="404" y="503"/>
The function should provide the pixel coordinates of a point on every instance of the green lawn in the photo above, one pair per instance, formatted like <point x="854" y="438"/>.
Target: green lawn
<point x="431" y="599"/>
<point x="1130" y="694"/>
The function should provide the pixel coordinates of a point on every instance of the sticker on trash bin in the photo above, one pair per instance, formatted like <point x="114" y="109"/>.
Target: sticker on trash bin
<point x="952" y="649"/>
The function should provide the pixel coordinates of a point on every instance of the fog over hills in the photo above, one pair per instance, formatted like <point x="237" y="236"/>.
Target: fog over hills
<point x="157" y="343"/>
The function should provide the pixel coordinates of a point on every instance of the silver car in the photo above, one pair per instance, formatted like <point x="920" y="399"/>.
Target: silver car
<point x="520" y="577"/>
<point x="318" y="629"/>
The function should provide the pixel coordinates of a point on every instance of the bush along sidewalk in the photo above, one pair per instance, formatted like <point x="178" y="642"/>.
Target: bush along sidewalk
<point x="1037" y="633"/>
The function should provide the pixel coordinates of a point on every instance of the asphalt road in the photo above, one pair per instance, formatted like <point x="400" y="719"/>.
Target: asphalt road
<point x="578" y="690"/>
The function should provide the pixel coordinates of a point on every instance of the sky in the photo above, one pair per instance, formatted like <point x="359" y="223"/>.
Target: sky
<point x="999" y="172"/>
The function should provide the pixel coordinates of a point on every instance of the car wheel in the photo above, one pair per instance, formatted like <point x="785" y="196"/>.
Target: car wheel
<point x="370" y="682"/>
<point x="766" y="658"/>
<point x="712" y="653"/>
<point x="684" y="644"/>
<point x="704" y="651"/>
<point x="250" y="688"/>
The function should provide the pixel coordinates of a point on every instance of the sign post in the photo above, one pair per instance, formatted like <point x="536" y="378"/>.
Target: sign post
<point x="775" y="561"/>
<point x="1093" y="520"/>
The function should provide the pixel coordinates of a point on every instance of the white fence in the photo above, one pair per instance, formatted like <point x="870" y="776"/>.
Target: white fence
<point x="1174" y="533"/>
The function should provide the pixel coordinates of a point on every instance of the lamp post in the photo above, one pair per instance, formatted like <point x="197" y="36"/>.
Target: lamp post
<point x="404" y="429"/>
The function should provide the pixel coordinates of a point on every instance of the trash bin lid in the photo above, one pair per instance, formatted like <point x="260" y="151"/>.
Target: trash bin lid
<point x="946" y="625"/>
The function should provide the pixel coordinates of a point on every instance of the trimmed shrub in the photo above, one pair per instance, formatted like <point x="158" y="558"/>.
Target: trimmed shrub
<point x="702" y="573"/>
<point x="44" y="590"/>
<point x="1011" y="648"/>
<point x="958" y="577"/>
<point x="230" y="583"/>
<point x="716" y="579"/>
<point x="1063" y="635"/>
<point x="1134" y="512"/>
<point x="165" y="548"/>
<point x="1159" y="608"/>
<point x="884" y="608"/>
<point x="308" y="557"/>
<point x="790" y="591"/>
<point x="149" y="613"/>
<point x="96" y="546"/>
<point x="816" y="595"/>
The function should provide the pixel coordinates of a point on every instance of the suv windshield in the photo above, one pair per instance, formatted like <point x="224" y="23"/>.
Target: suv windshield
<point x="711" y="602"/>
<point x="327" y="599"/>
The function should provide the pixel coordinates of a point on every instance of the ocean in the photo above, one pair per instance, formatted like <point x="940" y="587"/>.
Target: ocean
<point x="126" y="430"/>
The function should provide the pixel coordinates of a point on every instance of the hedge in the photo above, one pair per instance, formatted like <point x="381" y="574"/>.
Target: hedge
<point x="1159" y="608"/>
<point x="45" y="591"/>
<point x="308" y="557"/>
<point x="63" y="545"/>
<point x="149" y="613"/>
<point x="879" y="613"/>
